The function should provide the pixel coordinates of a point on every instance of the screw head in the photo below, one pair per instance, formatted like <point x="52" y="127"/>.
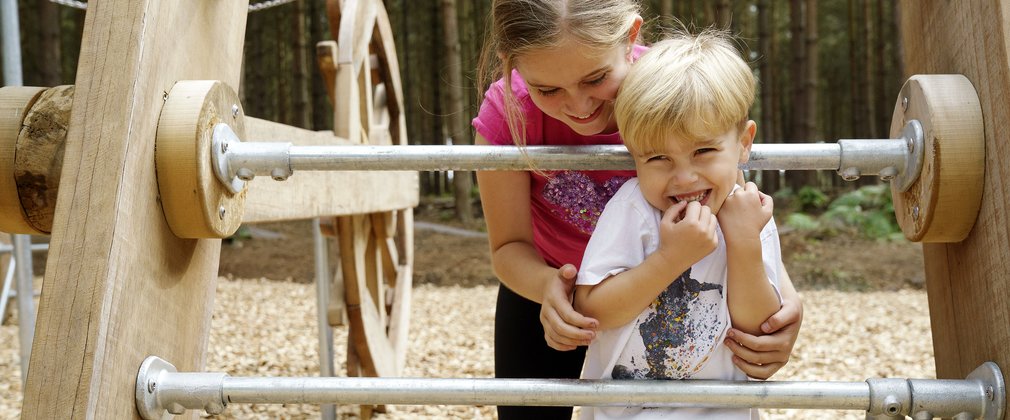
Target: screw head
<point x="989" y="392"/>
<point x="904" y="103"/>
<point x="234" y="110"/>
<point x="850" y="174"/>
<point x="915" y="213"/>
<point x="221" y="211"/>
<point x="224" y="147"/>
<point x="245" y="174"/>
<point x="152" y="385"/>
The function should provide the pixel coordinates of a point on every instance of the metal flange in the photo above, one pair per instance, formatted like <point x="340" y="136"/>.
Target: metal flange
<point x="196" y="204"/>
<point x="941" y="205"/>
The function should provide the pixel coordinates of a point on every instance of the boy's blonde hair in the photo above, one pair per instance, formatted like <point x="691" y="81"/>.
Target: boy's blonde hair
<point x="692" y="87"/>
<point x="517" y="27"/>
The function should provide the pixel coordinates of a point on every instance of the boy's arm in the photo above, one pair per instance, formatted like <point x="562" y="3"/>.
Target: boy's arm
<point x="750" y="295"/>
<point x="626" y="289"/>
<point x="621" y="298"/>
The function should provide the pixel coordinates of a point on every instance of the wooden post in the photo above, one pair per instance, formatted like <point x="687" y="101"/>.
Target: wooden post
<point x="119" y="285"/>
<point x="969" y="281"/>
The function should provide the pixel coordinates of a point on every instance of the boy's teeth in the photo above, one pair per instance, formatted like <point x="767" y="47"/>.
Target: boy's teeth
<point x="696" y="197"/>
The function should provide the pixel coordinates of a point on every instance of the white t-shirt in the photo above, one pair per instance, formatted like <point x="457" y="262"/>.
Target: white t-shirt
<point x="680" y="335"/>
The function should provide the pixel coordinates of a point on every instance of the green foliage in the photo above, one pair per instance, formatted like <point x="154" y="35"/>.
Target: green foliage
<point x="802" y="221"/>
<point x="867" y="211"/>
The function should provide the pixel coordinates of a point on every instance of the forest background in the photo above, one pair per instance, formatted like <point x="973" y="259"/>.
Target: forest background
<point x="828" y="70"/>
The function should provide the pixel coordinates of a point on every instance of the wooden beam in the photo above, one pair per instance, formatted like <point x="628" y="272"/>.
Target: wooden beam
<point x="308" y="194"/>
<point x="969" y="281"/>
<point x="119" y="285"/>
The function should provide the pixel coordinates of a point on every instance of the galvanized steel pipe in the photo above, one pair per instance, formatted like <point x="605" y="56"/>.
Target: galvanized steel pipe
<point x="160" y="388"/>
<point x="236" y="161"/>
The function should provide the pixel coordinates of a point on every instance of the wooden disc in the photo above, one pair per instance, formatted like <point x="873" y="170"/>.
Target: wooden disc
<point x="196" y="203"/>
<point x="15" y="102"/>
<point x="942" y="204"/>
<point x="38" y="163"/>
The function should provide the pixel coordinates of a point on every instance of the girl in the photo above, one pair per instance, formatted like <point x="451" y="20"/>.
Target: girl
<point x="559" y="64"/>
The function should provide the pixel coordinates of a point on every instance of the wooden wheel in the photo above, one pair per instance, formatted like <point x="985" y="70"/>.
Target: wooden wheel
<point x="376" y="250"/>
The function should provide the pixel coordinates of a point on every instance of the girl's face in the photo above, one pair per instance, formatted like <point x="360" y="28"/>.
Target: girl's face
<point x="704" y="171"/>
<point x="577" y="85"/>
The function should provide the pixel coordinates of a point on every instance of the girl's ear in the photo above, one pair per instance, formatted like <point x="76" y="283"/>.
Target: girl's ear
<point x="747" y="140"/>
<point x="636" y="29"/>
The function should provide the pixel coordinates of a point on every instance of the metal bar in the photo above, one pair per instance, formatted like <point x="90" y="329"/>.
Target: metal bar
<point x="235" y="161"/>
<point x="8" y="289"/>
<point x="35" y="248"/>
<point x="326" y="368"/>
<point x="26" y="304"/>
<point x="11" y="43"/>
<point x="160" y="387"/>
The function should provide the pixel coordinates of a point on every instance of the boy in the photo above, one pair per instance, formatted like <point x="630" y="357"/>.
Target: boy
<point x="681" y="251"/>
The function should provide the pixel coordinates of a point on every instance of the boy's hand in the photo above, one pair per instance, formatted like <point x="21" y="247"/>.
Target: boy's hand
<point x="687" y="231"/>
<point x="745" y="212"/>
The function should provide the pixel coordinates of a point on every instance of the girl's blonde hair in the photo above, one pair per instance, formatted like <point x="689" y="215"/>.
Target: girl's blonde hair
<point x="518" y="27"/>
<point x="692" y="87"/>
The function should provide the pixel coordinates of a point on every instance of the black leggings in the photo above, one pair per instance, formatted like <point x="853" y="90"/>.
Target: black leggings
<point x="521" y="352"/>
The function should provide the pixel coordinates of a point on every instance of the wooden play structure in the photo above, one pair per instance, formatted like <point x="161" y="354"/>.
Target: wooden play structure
<point x="127" y="190"/>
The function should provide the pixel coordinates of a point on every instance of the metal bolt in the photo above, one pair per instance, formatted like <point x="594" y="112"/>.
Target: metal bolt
<point x="224" y="147"/>
<point x="151" y="386"/>
<point x="850" y="174"/>
<point x="989" y="392"/>
<point x="888" y="173"/>
<point x="891" y="405"/>
<point x="214" y="408"/>
<point x="164" y="95"/>
<point x="904" y="103"/>
<point x="221" y="212"/>
<point x="234" y="110"/>
<point x="279" y="174"/>
<point x="915" y="213"/>
<point x="245" y="174"/>
<point x="175" y="408"/>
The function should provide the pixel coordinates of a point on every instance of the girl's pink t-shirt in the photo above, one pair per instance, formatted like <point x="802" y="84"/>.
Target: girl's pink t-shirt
<point x="565" y="204"/>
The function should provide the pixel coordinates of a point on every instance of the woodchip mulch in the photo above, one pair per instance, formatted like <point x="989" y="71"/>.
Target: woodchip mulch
<point x="263" y="327"/>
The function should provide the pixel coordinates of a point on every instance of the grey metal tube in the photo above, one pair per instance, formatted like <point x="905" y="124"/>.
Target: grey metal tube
<point x="797" y="156"/>
<point x="26" y="303"/>
<point x="547" y="392"/>
<point x="35" y="248"/>
<point x="160" y="388"/>
<point x="11" y="43"/>
<point x="326" y="369"/>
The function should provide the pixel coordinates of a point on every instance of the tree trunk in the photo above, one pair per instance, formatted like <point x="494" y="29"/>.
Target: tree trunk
<point x="666" y="13"/>
<point x="300" y="96"/>
<point x="454" y="107"/>
<point x="769" y="179"/>
<point x="857" y="102"/>
<point x="867" y="35"/>
<point x="322" y="111"/>
<point x="723" y="14"/>
<point x="812" y="72"/>
<point x="49" y="54"/>
<point x="798" y="70"/>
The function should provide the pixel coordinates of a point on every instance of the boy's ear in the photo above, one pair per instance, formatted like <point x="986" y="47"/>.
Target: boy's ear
<point x="747" y="140"/>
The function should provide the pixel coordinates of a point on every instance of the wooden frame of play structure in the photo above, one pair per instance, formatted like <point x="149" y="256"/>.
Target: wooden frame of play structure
<point x="128" y="193"/>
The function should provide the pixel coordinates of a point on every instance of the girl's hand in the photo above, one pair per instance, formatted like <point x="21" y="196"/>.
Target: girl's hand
<point x="761" y="356"/>
<point x="745" y="212"/>
<point x="564" y="328"/>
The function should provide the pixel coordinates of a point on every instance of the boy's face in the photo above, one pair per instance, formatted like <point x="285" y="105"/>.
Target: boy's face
<point x="704" y="171"/>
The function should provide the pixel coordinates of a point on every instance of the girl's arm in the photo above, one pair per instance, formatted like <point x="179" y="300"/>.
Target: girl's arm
<point x="505" y="196"/>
